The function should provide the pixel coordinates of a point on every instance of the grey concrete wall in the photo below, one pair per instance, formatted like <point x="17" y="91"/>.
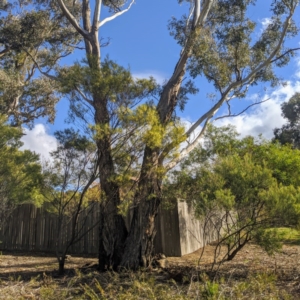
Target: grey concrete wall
<point x="192" y="233"/>
<point x="179" y="232"/>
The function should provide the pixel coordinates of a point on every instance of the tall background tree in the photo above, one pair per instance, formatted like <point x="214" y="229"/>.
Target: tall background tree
<point x="21" y="178"/>
<point x="141" y="140"/>
<point x="34" y="37"/>
<point x="290" y="133"/>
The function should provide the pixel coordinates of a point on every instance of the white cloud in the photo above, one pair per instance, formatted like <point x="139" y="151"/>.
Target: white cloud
<point x="39" y="141"/>
<point x="159" y="77"/>
<point x="266" y="116"/>
<point x="297" y="74"/>
<point x="265" y="22"/>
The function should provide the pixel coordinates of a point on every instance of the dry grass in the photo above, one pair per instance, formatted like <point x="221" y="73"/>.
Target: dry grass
<point x="251" y="275"/>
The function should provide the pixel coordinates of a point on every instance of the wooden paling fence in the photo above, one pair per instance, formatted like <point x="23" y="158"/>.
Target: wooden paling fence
<point x="35" y="229"/>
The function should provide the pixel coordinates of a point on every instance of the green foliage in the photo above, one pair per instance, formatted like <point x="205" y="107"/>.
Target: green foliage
<point x="21" y="179"/>
<point x="209" y="290"/>
<point x="290" y="133"/>
<point x="251" y="185"/>
<point x="114" y="5"/>
<point x="37" y="35"/>
<point x="289" y="235"/>
<point x="227" y="52"/>
<point x="146" y="118"/>
<point x="270" y="240"/>
<point x="111" y="82"/>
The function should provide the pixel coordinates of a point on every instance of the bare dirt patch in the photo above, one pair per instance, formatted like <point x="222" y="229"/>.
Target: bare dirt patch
<point x="251" y="260"/>
<point x="27" y="265"/>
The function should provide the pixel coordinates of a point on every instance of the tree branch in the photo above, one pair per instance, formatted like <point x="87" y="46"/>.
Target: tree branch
<point x="168" y="98"/>
<point x="201" y="17"/>
<point x="86" y="21"/>
<point x="83" y="96"/>
<point x="72" y="20"/>
<point x="209" y="114"/>
<point x="188" y="149"/>
<point x="192" y="7"/>
<point x="284" y="54"/>
<point x="3" y="52"/>
<point x="230" y="115"/>
<point x="96" y="15"/>
<point x="41" y="71"/>
<point x="196" y="12"/>
<point x="108" y="19"/>
<point x="269" y="60"/>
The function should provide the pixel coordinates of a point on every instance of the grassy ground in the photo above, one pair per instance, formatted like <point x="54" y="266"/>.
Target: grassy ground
<point x="251" y="275"/>
<point x="290" y="236"/>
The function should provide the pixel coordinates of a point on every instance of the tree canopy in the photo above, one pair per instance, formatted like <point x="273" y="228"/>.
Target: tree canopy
<point x="34" y="36"/>
<point x="21" y="179"/>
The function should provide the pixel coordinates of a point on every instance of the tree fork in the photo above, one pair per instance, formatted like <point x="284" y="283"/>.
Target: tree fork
<point x="139" y="244"/>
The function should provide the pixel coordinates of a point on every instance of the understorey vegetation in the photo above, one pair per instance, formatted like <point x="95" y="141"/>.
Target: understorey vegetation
<point x="248" y="188"/>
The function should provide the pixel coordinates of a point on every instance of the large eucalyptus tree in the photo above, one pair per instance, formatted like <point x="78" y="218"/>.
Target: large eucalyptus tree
<point x="217" y="42"/>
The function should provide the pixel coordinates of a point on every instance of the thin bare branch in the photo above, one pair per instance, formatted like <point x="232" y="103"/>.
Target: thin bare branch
<point x="75" y="47"/>
<point x="284" y="54"/>
<point x="229" y="107"/>
<point x="240" y="113"/>
<point x="30" y="73"/>
<point x="108" y="19"/>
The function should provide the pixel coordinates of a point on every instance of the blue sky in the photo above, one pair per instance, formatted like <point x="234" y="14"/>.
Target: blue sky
<point x="139" y="39"/>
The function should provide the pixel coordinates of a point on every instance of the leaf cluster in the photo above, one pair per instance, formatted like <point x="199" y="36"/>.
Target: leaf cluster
<point x="112" y="84"/>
